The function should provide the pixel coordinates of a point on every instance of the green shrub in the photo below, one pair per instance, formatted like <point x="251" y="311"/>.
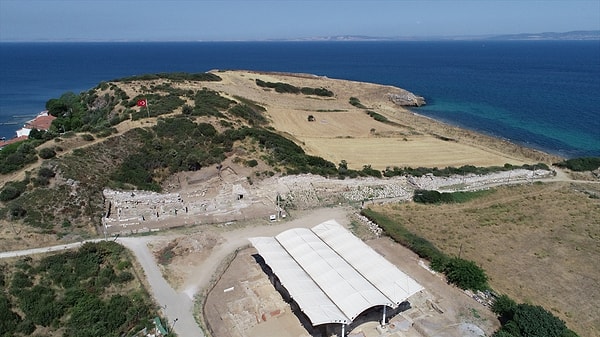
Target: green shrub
<point x="317" y="92"/>
<point x="377" y="117"/>
<point x="466" y="274"/>
<point x="279" y="87"/>
<point x="581" y="164"/>
<point x="253" y="116"/>
<point x="504" y="307"/>
<point x="47" y="153"/>
<point x="533" y="321"/>
<point x="400" y="234"/>
<point x="463" y="170"/>
<point x="367" y="170"/>
<point x="435" y="197"/>
<point x="16" y="156"/>
<point x="427" y="197"/>
<point x="12" y="190"/>
<point x="356" y="102"/>
<point x="177" y="77"/>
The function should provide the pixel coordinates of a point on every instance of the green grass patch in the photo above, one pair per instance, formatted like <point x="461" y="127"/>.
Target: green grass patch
<point x="435" y="197"/>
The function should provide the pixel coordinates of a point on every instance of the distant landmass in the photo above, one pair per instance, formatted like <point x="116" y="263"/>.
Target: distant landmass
<point x="573" y="35"/>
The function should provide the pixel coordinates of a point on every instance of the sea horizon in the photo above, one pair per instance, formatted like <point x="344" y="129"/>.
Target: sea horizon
<point x="538" y="94"/>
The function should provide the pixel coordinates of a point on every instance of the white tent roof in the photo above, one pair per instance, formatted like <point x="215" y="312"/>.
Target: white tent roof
<point x="331" y="274"/>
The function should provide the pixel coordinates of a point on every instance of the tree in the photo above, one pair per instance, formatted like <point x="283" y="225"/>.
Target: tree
<point x="343" y="167"/>
<point x="36" y="134"/>
<point x="504" y="307"/>
<point x="47" y="153"/>
<point x="466" y="274"/>
<point x="535" y="321"/>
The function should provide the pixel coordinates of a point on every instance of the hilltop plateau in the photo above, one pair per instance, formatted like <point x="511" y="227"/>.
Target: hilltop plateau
<point x="252" y="125"/>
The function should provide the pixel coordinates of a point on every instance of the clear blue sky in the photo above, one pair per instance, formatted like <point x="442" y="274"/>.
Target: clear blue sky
<point x="177" y="20"/>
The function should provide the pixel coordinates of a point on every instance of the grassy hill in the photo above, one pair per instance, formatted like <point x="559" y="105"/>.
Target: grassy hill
<point x="51" y="186"/>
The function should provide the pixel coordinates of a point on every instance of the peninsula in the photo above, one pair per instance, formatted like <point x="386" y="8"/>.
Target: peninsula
<point x="208" y="160"/>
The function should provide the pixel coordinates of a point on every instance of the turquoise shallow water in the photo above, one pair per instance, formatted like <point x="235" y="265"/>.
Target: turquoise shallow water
<point x="542" y="94"/>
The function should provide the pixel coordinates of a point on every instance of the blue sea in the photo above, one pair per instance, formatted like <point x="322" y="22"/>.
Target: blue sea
<point x="541" y="94"/>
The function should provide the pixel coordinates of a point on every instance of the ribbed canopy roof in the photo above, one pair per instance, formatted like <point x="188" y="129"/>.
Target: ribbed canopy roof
<point x="332" y="274"/>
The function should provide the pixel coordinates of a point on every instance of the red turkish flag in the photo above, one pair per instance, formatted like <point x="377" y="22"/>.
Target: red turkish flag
<point x="142" y="102"/>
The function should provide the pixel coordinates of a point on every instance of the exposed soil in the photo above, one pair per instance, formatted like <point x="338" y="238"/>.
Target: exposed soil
<point x="244" y="303"/>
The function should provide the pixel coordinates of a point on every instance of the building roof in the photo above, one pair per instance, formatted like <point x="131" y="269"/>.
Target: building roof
<point x="3" y="143"/>
<point x="41" y="122"/>
<point x="333" y="275"/>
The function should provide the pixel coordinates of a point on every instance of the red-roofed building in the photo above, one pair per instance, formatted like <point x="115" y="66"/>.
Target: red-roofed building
<point x="41" y="122"/>
<point x="3" y="143"/>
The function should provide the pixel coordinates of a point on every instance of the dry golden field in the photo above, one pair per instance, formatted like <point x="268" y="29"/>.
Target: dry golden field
<point x="538" y="243"/>
<point x="342" y="131"/>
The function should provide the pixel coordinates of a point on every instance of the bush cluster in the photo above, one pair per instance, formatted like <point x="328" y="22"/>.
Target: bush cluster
<point x="581" y="164"/>
<point x="518" y="320"/>
<point x="356" y="102"/>
<point x="12" y="190"/>
<point x="465" y="274"/>
<point x="15" y="156"/>
<point x="176" y="77"/>
<point x="247" y="112"/>
<point x="435" y="197"/>
<point x="157" y="105"/>
<point x="527" y="320"/>
<point x="281" y="87"/>
<point x="377" y="117"/>
<point x="179" y="144"/>
<point x="69" y="292"/>
<point x="209" y="103"/>
<point x="463" y="170"/>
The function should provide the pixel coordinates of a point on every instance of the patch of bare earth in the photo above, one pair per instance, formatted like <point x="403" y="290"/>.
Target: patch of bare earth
<point x="179" y="256"/>
<point x="538" y="243"/>
<point x="244" y="303"/>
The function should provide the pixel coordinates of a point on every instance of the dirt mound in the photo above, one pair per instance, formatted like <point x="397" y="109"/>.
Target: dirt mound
<point x="176" y="256"/>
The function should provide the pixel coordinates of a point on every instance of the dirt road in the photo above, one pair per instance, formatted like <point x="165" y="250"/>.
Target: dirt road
<point x="177" y="306"/>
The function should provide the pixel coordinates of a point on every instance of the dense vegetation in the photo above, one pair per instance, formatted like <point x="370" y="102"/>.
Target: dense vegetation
<point x="281" y="87"/>
<point x="88" y="292"/>
<point x="463" y="170"/>
<point x="15" y="156"/>
<point x="356" y="102"/>
<point x="377" y="117"/>
<point x="526" y="320"/>
<point x="465" y="274"/>
<point x="435" y="197"/>
<point x="581" y="164"/>
<point x="522" y="320"/>
<point x="176" y="77"/>
<point x="99" y="109"/>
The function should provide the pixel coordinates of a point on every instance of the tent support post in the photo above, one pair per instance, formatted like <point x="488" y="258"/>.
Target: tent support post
<point x="343" y="329"/>
<point x="383" y="318"/>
